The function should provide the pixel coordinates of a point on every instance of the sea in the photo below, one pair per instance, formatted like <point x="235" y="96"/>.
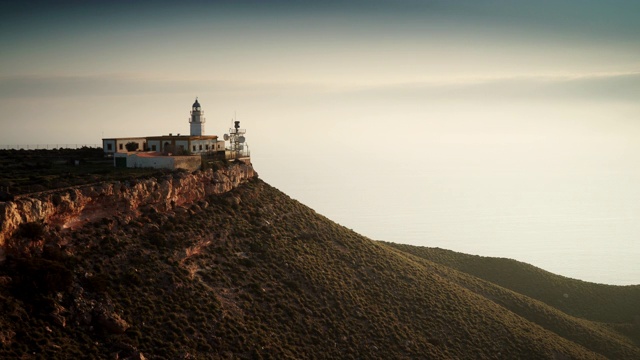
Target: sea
<point x="579" y="219"/>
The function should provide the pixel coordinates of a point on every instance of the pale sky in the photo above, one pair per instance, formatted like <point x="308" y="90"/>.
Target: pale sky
<point x="74" y="71"/>
<point x="373" y="89"/>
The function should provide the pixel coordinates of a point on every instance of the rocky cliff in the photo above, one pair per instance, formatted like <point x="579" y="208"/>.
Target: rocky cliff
<point x="71" y="207"/>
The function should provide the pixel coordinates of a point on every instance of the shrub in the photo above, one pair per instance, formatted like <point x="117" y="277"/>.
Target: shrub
<point x="32" y="230"/>
<point x="97" y="284"/>
<point x="41" y="276"/>
<point x="131" y="146"/>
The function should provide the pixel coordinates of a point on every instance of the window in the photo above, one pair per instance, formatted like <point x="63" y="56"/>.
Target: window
<point x="120" y="146"/>
<point x="194" y="148"/>
<point x="206" y="147"/>
<point x="200" y="147"/>
<point x="109" y="147"/>
<point x="153" y="148"/>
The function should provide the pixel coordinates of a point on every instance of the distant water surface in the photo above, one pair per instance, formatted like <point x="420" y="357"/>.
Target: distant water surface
<point x="580" y="222"/>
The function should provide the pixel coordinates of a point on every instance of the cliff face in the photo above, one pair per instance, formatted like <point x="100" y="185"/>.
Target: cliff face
<point x="72" y="207"/>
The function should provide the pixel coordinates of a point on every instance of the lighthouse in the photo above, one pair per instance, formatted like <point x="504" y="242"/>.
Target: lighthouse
<point x="197" y="119"/>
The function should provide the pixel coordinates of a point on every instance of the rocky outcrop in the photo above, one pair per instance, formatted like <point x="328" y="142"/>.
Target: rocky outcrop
<point x="72" y="207"/>
<point x="110" y="322"/>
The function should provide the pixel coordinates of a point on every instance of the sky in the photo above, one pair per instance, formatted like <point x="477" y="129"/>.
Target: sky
<point x="400" y="119"/>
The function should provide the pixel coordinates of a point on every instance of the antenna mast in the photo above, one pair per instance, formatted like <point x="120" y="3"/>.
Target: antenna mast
<point x="236" y="139"/>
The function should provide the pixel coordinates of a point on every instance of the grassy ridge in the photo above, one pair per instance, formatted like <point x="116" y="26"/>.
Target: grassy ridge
<point x="595" y="336"/>
<point x="255" y="274"/>
<point x="617" y="305"/>
<point x="598" y="302"/>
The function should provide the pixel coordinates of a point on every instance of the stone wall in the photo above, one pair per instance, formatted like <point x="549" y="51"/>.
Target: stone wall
<point x="74" y="206"/>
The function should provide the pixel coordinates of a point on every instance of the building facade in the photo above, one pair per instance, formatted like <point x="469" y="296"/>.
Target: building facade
<point x="193" y="144"/>
<point x="115" y="145"/>
<point x="176" y="151"/>
<point x="185" y="145"/>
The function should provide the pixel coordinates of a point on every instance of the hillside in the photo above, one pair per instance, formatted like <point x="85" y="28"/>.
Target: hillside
<point x="616" y="305"/>
<point x="251" y="274"/>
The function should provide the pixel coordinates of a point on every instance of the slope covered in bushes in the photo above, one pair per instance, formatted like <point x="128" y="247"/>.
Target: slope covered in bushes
<point x="255" y="274"/>
<point x="616" y="305"/>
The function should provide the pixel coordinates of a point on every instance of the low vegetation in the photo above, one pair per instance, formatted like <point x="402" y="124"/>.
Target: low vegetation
<point x="614" y="305"/>
<point x="253" y="274"/>
<point x="29" y="171"/>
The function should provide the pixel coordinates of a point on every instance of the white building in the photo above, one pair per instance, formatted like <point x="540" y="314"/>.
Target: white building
<point x="193" y="144"/>
<point x="184" y="144"/>
<point x="114" y="145"/>
<point x="156" y="160"/>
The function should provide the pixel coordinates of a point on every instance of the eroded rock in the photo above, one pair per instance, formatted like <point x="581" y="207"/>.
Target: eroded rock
<point x="110" y="322"/>
<point x="77" y="206"/>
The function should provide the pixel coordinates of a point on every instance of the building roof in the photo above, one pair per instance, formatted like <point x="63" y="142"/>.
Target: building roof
<point x="182" y="137"/>
<point x="126" y="138"/>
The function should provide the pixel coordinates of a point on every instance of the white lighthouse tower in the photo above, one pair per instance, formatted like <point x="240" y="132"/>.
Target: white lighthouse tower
<point x="197" y="119"/>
